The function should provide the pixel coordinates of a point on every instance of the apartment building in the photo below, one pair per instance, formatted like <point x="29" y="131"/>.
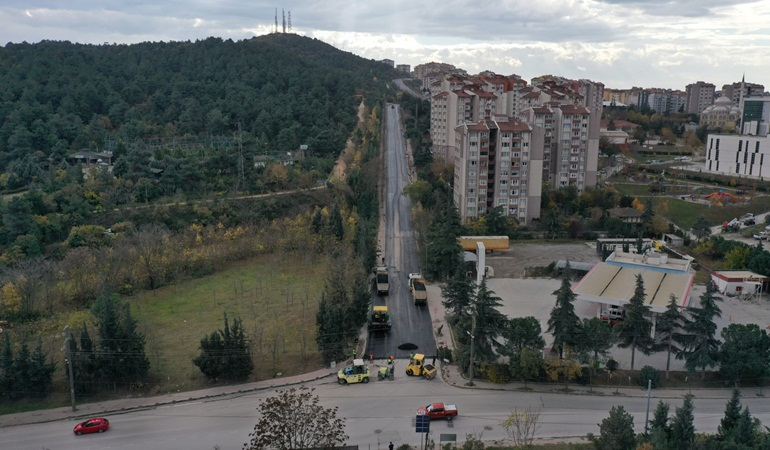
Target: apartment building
<point x="498" y="163"/>
<point x="563" y="116"/>
<point x="698" y="97"/>
<point x="738" y="90"/>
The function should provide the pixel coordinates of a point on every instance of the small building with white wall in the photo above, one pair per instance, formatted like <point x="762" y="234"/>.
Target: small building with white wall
<point x="739" y="282"/>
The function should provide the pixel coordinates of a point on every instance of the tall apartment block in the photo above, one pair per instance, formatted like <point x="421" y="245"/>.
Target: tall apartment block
<point x="562" y="118"/>
<point x="742" y="89"/>
<point x="698" y="96"/>
<point x="498" y="162"/>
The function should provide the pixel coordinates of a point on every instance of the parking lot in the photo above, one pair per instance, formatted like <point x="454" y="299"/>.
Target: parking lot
<point x="534" y="296"/>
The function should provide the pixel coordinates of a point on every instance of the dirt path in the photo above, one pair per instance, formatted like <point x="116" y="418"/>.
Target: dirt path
<point x="341" y="166"/>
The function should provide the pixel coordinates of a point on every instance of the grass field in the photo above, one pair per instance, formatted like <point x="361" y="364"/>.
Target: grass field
<point x="276" y="297"/>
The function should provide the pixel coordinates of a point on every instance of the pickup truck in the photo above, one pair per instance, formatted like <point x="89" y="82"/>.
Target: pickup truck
<point x="438" y="411"/>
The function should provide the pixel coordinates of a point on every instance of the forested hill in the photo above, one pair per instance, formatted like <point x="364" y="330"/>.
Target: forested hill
<point x="282" y="90"/>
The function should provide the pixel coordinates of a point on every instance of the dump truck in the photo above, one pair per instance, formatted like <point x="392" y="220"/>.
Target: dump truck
<point x="468" y="243"/>
<point x="381" y="279"/>
<point x="379" y="320"/>
<point x="417" y="286"/>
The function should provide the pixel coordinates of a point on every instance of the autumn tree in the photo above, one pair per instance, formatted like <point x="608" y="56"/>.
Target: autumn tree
<point x="521" y="425"/>
<point x="294" y="419"/>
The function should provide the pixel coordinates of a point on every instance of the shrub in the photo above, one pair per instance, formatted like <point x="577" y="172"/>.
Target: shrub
<point x="649" y="373"/>
<point x="497" y="373"/>
<point x="612" y="365"/>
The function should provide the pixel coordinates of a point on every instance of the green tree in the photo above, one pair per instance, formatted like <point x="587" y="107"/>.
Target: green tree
<point x="698" y="339"/>
<point x="668" y="329"/>
<point x="121" y="358"/>
<point x="40" y="372"/>
<point x="596" y="339"/>
<point x="457" y="294"/>
<point x="6" y="370"/>
<point x="563" y="323"/>
<point x="660" y="430"/>
<point x="616" y="432"/>
<point x="490" y="323"/>
<point x="729" y="423"/>
<point x="682" y="428"/>
<point x="521" y="333"/>
<point x="225" y="353"/>
<point x="745" y="352"/>
<point x="634" y="330"/>
<point x="311" y="426"/>
<point x="701" y="228"/>
<point x="444" y="252"/>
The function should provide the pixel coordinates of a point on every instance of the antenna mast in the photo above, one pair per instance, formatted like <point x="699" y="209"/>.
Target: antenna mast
<point x="275" y="30"/>
<point x="283" y="13"/>
<point x="289" y="21"/>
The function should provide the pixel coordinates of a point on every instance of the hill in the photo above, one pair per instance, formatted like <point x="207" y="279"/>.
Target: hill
<point x="279" y="91"/>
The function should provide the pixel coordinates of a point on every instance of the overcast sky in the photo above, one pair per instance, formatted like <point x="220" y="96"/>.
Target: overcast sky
<point x="622" y="43"/>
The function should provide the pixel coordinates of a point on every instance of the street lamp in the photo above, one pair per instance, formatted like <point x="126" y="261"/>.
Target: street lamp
<point x="472" y="334"/>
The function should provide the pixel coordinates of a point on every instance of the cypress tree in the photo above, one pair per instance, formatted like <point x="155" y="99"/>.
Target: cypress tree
<point x="634" y="330"/>
<point x="699" y="340"/>
<point x="564" y="324"/>
<point x="682" y="428"/>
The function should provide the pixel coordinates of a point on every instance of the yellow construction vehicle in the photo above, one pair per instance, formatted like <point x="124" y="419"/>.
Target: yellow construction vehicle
<point x="358" y="372"/>
<point x="417" y="367"/>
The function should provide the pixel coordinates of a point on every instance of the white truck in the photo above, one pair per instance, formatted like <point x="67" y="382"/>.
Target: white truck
<point x="381" y="279"/>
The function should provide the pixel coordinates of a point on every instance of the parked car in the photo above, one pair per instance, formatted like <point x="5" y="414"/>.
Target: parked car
<point x="94" y="425"/>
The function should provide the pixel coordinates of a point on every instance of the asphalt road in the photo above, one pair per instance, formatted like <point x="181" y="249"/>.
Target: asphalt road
<point x="411" y="324"/>
<point x="375" y="413"/>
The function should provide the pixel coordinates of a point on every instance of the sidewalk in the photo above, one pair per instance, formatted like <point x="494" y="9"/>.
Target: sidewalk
<point x="138" y="403"/>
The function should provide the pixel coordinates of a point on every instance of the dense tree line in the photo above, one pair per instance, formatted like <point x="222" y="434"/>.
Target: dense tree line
<point x="27" y="374"/>
<point x="114" y="361"/>
<point x="737" y="430"/>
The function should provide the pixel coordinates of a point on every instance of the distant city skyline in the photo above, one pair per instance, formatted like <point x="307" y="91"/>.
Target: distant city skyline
<point x="621" y="43"/>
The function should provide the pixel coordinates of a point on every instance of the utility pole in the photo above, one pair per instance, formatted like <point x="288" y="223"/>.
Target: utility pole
<point x="69" y="367"/>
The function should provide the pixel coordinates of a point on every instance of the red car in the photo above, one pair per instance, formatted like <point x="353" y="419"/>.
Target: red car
<point x="95" y="425"/>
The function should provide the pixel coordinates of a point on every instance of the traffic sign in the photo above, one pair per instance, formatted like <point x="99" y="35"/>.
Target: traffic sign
<point x="422" y="424"/>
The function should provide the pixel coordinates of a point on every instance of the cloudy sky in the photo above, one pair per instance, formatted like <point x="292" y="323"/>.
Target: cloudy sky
<point x="622" y="43"/>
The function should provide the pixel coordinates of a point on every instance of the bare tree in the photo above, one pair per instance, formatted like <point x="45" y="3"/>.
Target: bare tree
<point x="310" y="425"/>
<point x="150" y="243"/>
<point x="521" y="425"/>
<point x="25" y="277"/>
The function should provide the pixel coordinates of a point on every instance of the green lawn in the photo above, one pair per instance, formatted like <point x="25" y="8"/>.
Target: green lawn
<point x="275" y="296"/>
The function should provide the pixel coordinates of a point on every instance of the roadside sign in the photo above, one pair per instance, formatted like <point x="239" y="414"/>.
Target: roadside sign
<point x="422" y="424"/>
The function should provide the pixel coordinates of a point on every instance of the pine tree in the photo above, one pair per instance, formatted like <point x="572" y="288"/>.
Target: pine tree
<point x="682" y="428"/>
<point x="490" y="323"/>
<point x="634" y="330"/>
<point x="700" y="345"/>
<point x="564" y="324"/>
<point x="41" y="372"/>
<point x="668" y="329"/>
<point x="332" y="330"/>
<point x="746" y="431"/>
<point x="7" y="388"/>
<point x="444" y="252"/>
<point x="21" y="372"/>
<point x="616" y="432"/>
<point x="225" y="353"/>
<point x="660" y="430"/>
<point x="457" y="294"/>
<point x="729" y="422"/>
<point x="121" y="358"/>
